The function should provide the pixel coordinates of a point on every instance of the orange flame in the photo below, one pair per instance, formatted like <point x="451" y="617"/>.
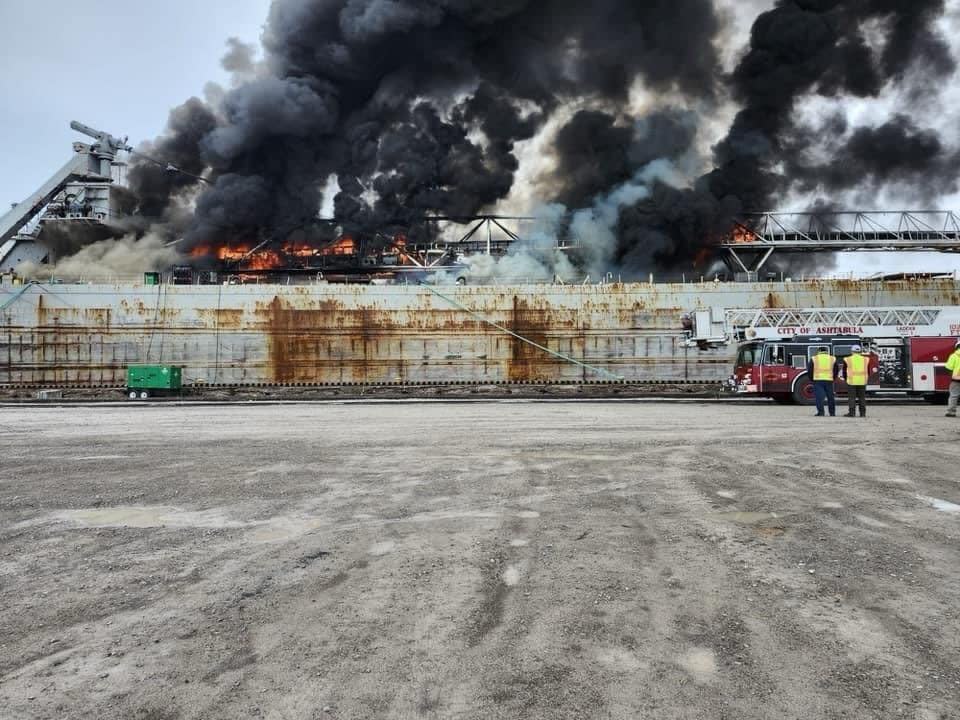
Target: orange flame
<point x="269" y="258"/>
<point x="260" y="260"/>
<point x="300" y="251"/>
<point x="343" y="246"/>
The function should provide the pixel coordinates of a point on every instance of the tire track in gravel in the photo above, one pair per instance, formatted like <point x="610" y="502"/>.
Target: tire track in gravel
<point x="866" y="616"/>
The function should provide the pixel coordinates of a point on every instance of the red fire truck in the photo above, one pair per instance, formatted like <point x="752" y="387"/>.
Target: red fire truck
<point x="908" y="348"/>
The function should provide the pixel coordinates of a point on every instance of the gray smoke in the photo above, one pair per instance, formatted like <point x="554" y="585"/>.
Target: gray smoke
<point x="122" y="258"/>
<point x="240" y="57"/>
<point x="155" y="187"/>
<point x="897" y="153"/>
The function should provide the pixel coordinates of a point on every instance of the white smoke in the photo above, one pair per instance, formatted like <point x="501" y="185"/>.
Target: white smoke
<point x="113" y="259"/>
<point x="538" y="257"/>
<point x="534" y="258"/>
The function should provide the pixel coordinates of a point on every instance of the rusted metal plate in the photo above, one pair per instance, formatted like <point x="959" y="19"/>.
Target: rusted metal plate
<point x="332" y="334"/>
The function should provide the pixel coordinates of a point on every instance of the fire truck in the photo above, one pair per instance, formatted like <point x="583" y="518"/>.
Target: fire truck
<point x="907" y="348"/>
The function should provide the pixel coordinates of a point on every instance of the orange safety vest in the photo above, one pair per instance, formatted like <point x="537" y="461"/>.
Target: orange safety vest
<point x="823" y="366"/>
<point x="857" y="370"/>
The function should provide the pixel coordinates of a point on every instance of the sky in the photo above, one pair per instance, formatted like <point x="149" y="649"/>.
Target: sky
<point x="116" y="65"/>
<point x="120" y="65"/>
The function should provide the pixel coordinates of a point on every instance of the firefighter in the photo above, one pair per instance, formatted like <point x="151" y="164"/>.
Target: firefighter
<point x="856" y="368"/>
<point x="823" y="370"/>
<point x="953" y="365"/>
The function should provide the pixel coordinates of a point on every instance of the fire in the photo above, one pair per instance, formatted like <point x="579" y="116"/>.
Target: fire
<point x="232" y="253"/>
<point x="742" y="234"/>
<point x="298" y="251"/>
<point x="264" y="260"/>
<point x="291" y="253"/>
<point x="242" y="254"/>
<point x="343" y="246"/>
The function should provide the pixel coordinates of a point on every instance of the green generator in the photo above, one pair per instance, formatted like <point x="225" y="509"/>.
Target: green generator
<point x="145" y="381"/>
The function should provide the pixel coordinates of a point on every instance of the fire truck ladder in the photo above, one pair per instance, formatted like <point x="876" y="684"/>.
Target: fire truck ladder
<point x="757" y="236"/>
<point x="746" y="323"/>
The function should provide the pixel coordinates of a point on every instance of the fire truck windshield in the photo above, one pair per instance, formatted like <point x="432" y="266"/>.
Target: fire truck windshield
<point x="774" y="355"/>
<point x="748" y="354"/>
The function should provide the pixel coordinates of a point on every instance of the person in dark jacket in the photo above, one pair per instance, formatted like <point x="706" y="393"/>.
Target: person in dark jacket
<point x="823" y="370"/>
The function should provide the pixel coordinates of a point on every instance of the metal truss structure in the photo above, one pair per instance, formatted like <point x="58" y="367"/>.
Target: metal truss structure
<point x="488" y="234"/>
<point x="878" y="317"/>
<point x="718" y="326"/>
<point x="757" y="236"/>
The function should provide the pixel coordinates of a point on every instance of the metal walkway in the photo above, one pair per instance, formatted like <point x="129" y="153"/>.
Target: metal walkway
<point x="756" y="238"/>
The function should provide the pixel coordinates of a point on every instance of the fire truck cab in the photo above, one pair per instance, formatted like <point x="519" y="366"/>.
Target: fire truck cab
<point x="777" y="368"/>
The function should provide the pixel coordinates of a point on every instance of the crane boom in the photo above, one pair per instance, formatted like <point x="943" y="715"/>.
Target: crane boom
<point x="89" y="164"/>
<point x="20" y="214"/>
<point x="719" y="326"/>
<point x="106" y="141"/>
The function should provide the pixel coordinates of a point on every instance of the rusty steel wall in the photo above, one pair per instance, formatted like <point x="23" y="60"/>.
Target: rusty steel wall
<point x="314" y="334"/>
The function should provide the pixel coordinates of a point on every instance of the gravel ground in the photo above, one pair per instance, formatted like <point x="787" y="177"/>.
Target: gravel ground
<point x="478" y="560"/>
<point x="534" y="391"/>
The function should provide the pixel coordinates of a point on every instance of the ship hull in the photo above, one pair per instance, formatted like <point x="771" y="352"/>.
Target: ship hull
<point x="87" y="335"/>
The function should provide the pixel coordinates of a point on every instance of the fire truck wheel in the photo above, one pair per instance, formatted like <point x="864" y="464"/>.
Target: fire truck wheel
<point x="803" y="392"/>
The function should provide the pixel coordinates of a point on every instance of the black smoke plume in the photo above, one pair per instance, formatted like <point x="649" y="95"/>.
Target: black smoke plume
<point x="153" y="184"/>
<point x="798" y="49"/>
<point x="897" y="154"/>
<point x="418" y="107"/>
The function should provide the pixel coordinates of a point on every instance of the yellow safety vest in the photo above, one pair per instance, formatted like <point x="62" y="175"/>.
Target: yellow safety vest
<point x="823" y="366"/>
<point x="857" y="369"/>
<point x="953" y="363"/>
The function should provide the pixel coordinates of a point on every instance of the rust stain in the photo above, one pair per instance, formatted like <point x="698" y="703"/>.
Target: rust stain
<point x="323" y="343"/>
<point x="97" y="316"/>
<point x="355" y="335"/>
<point x="138" y="308"/>
<point x="528" y="363"/>
<point x="224" y="318"/>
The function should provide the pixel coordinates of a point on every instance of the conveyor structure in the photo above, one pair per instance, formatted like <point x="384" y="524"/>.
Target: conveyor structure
<point x="758" y="236"/>
<point x="77" y="192"/>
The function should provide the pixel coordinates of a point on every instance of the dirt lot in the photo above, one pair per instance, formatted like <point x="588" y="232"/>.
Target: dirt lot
<point x="478" y="560"/>
<point x="505" y="391"/>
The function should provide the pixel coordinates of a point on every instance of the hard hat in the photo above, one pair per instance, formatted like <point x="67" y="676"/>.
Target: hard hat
<point x="823" y="348"/>
<point x="856" y="348"/>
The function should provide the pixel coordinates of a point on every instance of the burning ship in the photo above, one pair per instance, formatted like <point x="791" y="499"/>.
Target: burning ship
<point x="322" y="334"/>
<point x="308" y="314"/>
<point x="399" y="117"/>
